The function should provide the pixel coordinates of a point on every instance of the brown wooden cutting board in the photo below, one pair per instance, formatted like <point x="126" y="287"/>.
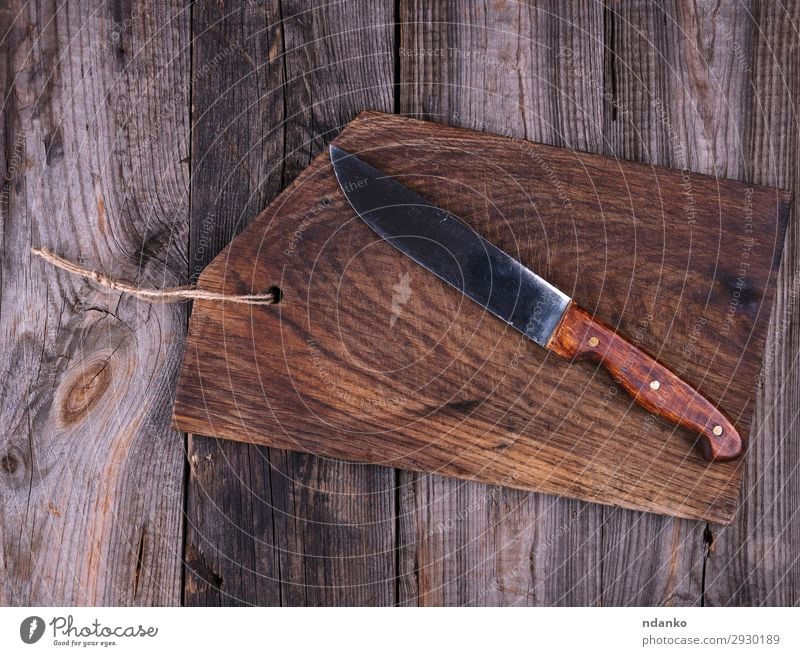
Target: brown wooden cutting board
<point x="368" y="357"/>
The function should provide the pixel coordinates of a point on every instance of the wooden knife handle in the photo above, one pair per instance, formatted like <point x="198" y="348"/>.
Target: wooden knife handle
<point x="654" y="387"/>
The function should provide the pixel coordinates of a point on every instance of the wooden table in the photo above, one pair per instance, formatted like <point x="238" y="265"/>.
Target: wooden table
<point x="139" y="137"/>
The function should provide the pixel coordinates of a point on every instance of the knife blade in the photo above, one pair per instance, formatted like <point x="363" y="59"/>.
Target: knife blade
<point x="446" y="246"/>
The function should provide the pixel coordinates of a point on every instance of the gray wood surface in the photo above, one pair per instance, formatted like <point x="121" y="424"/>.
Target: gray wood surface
<point x="756" y="560"/>
<point x="139" y="137"/>
<point x="94" y="133"/>
<point x="497" y="68"/>
<point x="265" y="526"/>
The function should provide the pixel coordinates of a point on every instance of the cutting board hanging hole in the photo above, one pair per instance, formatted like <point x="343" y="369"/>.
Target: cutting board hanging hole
<point x="275" y="292"/>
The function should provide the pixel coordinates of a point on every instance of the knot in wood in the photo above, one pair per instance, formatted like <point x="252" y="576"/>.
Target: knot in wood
<point x="9" y="464"/>
<point x="85" y="386"/>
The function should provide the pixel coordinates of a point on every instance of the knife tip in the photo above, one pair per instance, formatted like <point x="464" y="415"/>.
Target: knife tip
<point x="336" y="152"/>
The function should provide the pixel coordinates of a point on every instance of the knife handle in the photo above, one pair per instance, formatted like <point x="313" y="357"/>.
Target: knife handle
<point x="654" y="387"/>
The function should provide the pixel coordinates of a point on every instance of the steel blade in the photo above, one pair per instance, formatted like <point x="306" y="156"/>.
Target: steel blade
<point x="449" y="248"/>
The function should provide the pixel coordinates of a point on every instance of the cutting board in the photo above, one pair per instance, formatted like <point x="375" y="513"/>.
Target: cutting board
<point x="370" y="358"/>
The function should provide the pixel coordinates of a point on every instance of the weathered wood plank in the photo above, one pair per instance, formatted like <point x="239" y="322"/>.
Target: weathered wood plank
<point x="94" y="132"/>
<point x="337" y="519"/>
<point x="497" y="68"/>
<point x="231" y="556"/>
<point x="697" y="111"/>
<point x="268" y="526"/>
<point x="647" y="559"/>
<point x="755" y="561"/>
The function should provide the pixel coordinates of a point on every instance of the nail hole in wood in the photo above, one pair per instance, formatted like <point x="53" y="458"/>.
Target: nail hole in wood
<point x="276" y="292"/>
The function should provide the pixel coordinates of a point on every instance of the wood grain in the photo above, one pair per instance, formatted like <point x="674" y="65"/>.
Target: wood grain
<point x="534" y="422"/>
<point x="519" y="547"/>
<point x="265" y="526"/>
<point x="755" y="560"/>
<point x="675" y="96"/>
<point x="711" y="87"/>
<point x="466" y="543"/>
<point x="230" y="552"/>
<point x="580" y="337"/>
<point x="93" y="132"/>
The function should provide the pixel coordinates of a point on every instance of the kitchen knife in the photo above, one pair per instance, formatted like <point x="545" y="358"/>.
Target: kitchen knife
<point x="450" y="249"/>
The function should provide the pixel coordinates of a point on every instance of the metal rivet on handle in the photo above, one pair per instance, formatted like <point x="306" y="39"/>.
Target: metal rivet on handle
<point x="593" y="341"/>
<point x="717" y="430"/>
<point x="654" y="384"/>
